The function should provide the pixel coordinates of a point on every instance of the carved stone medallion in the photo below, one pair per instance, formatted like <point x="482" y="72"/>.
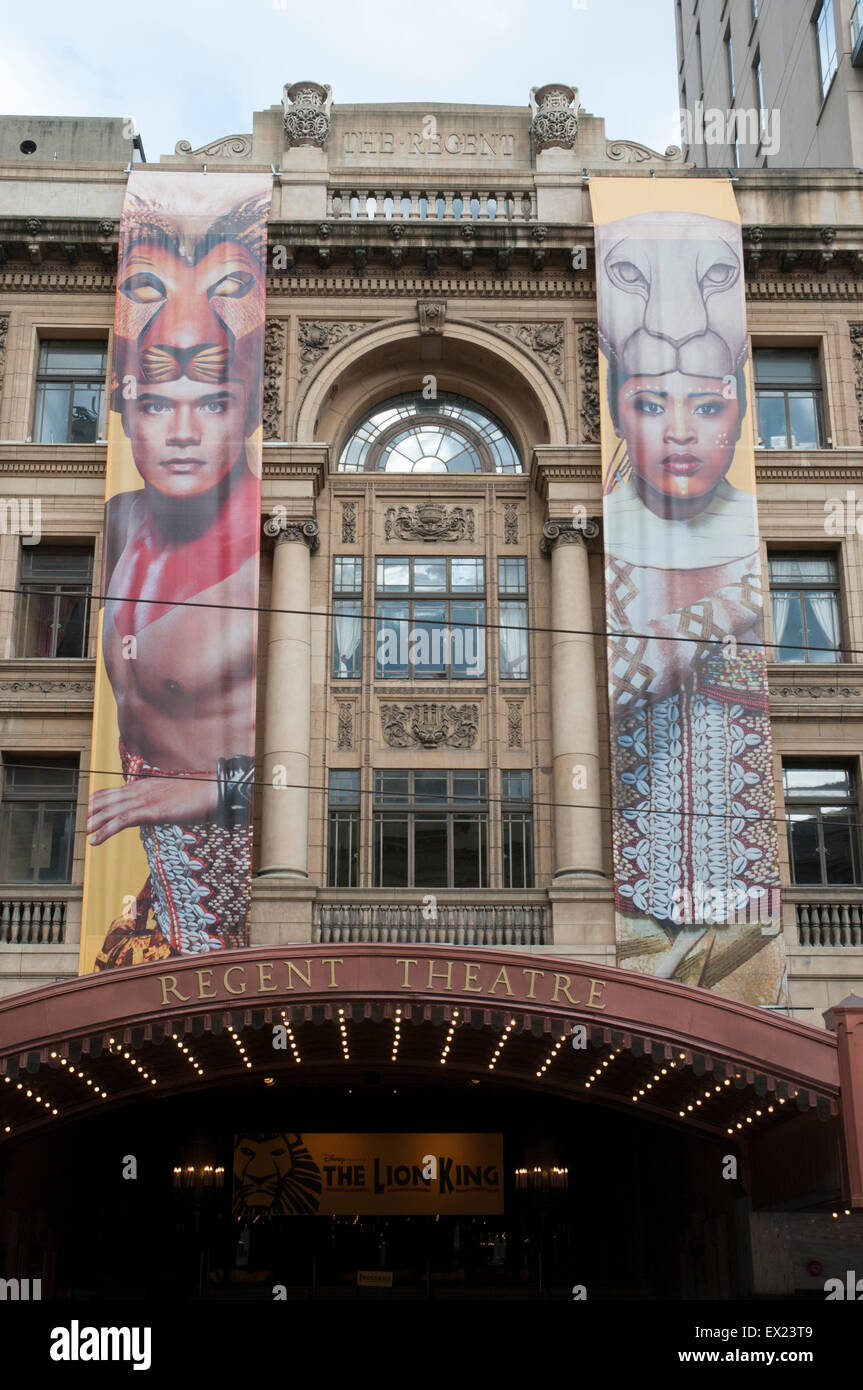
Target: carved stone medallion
<point x="429" y="521"/>
<point x="430" y="725"/>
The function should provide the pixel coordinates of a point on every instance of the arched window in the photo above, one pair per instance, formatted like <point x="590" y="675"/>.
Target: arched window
<point x="409" y="434"/>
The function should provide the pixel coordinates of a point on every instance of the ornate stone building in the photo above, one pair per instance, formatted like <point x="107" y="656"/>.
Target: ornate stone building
<point x="431" y="457"/>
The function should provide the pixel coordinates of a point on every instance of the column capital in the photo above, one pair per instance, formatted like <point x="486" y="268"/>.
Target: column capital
<point x="300" y="529"/>
<point x="565" y="531"/>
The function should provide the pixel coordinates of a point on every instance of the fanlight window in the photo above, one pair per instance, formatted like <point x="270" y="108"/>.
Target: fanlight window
<point x="409" y="434"/>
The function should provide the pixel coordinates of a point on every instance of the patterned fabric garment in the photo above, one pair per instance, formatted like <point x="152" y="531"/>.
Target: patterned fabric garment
<point x="197" y="891"/>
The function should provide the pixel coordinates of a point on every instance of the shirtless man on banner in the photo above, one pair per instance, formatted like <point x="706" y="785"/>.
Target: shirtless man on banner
<point x="188" y="355"/>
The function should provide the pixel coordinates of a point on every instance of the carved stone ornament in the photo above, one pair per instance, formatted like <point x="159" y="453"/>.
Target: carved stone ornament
<point x="817" y="692"/>
<point x="430" y="725"/>
<point x="545" y="339"/>
<point x="566" y="532"/>
<point x="317" y="337"/>
<point x="229" y="147"/>
<point x="588" y="382"/>
<point x="4" y="329"/>
<point x="284" y="528"/>
<point x="429" y="521"/>
<point x="274" y="371"/>
<point x="553" y="124"/>
<point x="306" y="107"/>
<point x="49" y="687"/>
<point x="346" y="724"/>
<point x="432" y="315"/>
<point x="510" y="524"/>
<point x="856" y="331"/>
<point x="514" y="726"/>
<point x="630" y="152"/>
<point x="349" y="523"/>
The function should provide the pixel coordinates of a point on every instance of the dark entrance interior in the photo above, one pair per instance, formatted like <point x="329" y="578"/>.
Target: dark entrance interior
<point x="642" y="1211"/>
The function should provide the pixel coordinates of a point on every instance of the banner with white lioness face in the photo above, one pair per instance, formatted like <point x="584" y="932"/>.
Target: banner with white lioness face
<point x="696" y="877"/>
<point x="168" y="853"/>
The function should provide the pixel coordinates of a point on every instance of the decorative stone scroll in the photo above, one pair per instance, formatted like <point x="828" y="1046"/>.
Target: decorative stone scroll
<point x="295" y="529"/>
<point x="565" y="532"/>
<point x="306" y="107"/>
<point x="229" y="147"/>
<point x="588" y="382"/>
<point x="430" y="725"/>
<point x="317" y="337"/>
<point x="429" y="521"/>
<point x="274" y="372"/>
<point x="544" y="339"/>
<point x="630" y="152"/>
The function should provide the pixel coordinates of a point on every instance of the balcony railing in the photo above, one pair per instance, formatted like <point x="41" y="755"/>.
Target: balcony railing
<point x="429" y="203"/>
<point x="829" y="918"/>
<point x="452" y="919"/>
<point x="33" y="920"/>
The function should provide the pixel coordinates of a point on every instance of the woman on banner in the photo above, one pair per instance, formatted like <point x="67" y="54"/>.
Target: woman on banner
<point x="695" y="850"/>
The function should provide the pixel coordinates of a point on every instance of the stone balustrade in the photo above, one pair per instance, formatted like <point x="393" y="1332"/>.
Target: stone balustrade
<point x="428" y="203"/>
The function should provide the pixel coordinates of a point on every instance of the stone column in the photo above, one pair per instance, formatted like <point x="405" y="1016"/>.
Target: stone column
<point x="287" y="717"/>
<point x="574" y="727"/>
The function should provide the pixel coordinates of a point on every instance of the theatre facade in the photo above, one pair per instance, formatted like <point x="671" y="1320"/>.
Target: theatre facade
<point x="376" y="757"/>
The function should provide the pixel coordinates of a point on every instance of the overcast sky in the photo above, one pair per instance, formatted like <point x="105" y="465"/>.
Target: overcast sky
<point x="196" y="69"/>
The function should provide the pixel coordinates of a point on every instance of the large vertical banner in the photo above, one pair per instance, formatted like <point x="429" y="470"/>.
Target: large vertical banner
<point x="696" y="875"/>
<point x="168" y="855"/>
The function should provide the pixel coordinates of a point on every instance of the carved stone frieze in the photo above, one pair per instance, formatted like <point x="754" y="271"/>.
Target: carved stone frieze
<point x="544" y="339"/>
<point x="346" y="724"/>
<point x="510" y="524"/>
<point x="554" y="125"/>
<point x="856" y="331"/>
<point x="306" y="107"/>
<point x="818" y="692"/>
<point x="275" y="340"/>
<point x="49" y="687"/>
<point x="587" y="347"/>
<point x="514" y="724"/>
<point x="317" y="337"/>
<point x="228" y="147"/>
<point x="349" y="523"/>
<point x="432" y="317"/>
<point x="429" y="521"/>
<point x="430" y="725"/>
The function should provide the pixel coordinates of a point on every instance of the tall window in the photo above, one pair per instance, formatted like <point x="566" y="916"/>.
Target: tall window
<point x="788" y="398"/>
<point x="430" y="829"/>
<point x="54" y="605"/>
<point x="825" y="36"/>
<point x="70" y="385"/>
<point x="37" y="819"/>
<point x="823" y="829"/>
<point x="436" y="625"/>
<point x="729" y="64"/>
<point x="512" y="593"/>
<point x="804" y="598"/>
<point x="754" y="4"/>
<point x="699" y="61"/>
<point x="343" y="839"/>
<point x="758" y="82"/>
<point x="347" y="616"/>
<point x="517" y="825"/>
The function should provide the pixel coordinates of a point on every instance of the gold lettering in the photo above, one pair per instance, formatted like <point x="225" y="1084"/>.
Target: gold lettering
<point x="565" y="988"/>
<point x="439" y="974"/>
<point x="202" y="993"/>
<point x="501" y="975"/>
<point x="163" y="979"/>
<point x="230" y="970"/>
<point x="533" y="974"/>
<point x="306" y="979"/>
<point x="332" y="962"/>
<point x="265" y="985"/>
<point x="470" y="969"/>
<point x="595" y="987"/>
<point x="403" y="960"/>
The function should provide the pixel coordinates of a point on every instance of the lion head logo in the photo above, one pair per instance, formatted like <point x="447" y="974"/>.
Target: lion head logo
<point x="274" y="1175"/>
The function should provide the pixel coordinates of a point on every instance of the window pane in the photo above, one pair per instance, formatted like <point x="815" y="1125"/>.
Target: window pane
<point x="394" y="575"/>
<point x="430" y="574"/>
<point x="44" y="563"/>
<point x="787" y="609"/>
<point x="429" y="787"/>
<point x="822" y="626"/>
<point x="468" y="786"/>
<point x="804" y="412"/>
<point x="468" y="852"/>
<point x="51" y="420"/>
<point x="71" y="616"/>
<point x="468" y="640"/>
<point x="803" y="837"/>
<point x="429" y="640"/>
<point x="391" y="853"/>
<point x="803" y="567"/>
<point x="513" y="641"/>
<point x="468" y="574"/>
<point x="517" y="851"/>
<point x="72" y="357"/>
<point x="38" y="779"/>
<point x="515" y="786"/>
<point x="772" y="426"/>
<point x="37" y="842"/>
<point x="86" y="413"/>
<point x="348" y="574"/>
<point x="818" y="783"/>
<point x="430" y="853"/>
<point x="512" y="576"/>
<point x="392" y="646"/>
<point x="392" y="787"/>
<point x="345" y="786"/>
<point x="787" y="366"/>
<point x="839" y="832"/>
<point x="347" y="638"/>
<point x="343" y="856"/>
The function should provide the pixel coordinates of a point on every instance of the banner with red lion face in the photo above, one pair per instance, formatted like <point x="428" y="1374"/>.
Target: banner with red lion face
<point x="168" y="853"/>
